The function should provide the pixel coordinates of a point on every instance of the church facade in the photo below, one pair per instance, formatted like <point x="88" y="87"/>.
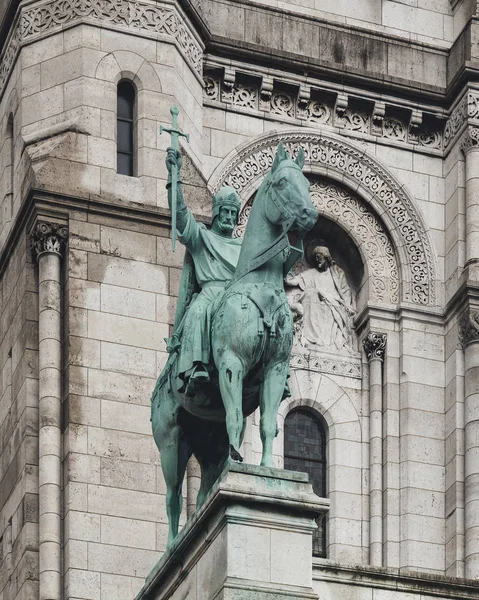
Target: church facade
<point x="382" y="95"/>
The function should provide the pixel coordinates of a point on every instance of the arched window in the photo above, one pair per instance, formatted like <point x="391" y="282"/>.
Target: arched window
<point x="125" y="128"/>
<point x="305" y="451"/>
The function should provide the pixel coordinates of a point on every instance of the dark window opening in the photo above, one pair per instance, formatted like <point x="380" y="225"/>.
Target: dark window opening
<point x="305" y="451"/>
<point x="125" y="128"/>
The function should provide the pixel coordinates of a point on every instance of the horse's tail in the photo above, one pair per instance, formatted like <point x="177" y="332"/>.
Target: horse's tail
<point x="163" y="378"/>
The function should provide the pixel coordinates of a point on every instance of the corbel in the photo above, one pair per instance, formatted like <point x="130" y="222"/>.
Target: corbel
<point x="379" y="111"/>
<point x="304" y="97"/>
<point x="266" y="92"/>
<point x="229" y="79"/>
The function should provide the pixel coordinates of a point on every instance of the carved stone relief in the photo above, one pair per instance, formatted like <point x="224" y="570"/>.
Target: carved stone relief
<point x="321" y="301"/>
<point x="387" y="197"/>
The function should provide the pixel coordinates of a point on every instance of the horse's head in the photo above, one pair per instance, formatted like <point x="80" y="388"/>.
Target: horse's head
<point x="288" y="192"/>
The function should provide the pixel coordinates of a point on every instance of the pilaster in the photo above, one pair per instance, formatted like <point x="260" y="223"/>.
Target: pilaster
<point x="375" y="348"/>
<point x="48" y="240"/>
<point x="469" y="337"/>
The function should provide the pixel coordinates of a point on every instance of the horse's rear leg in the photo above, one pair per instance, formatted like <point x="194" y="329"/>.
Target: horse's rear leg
<point x="175" y="453"/>
<point x="231" y="373"/>
<point x="271" y="394"/>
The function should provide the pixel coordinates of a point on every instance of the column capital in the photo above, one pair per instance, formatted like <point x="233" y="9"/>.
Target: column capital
<point x="375" y="346"/>
<point x="470" y="139"/>
<point x="469" y="327"/>
<point x="48" y="237"/>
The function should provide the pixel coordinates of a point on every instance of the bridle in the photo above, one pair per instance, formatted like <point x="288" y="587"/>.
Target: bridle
<point x="280" y="243"/>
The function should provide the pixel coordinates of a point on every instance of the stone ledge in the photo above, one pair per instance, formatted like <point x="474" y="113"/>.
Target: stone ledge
<point x="399" y="580"/>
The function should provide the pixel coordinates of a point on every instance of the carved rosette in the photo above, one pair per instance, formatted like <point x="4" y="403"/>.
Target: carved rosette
<point x="48" y="237"/>
<point x="469" y="327"/>
<point x="375" y="346"/>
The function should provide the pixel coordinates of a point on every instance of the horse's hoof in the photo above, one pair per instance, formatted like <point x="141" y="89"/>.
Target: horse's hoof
<point x="235" y="455"/>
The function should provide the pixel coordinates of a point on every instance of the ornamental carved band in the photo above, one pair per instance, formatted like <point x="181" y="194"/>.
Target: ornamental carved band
<point x="469" y="327"/>
<point x="340" y="160"/>
<point x="143" y="17"/>
<point x="48" y="237"/>
<point x="375" y="345"/>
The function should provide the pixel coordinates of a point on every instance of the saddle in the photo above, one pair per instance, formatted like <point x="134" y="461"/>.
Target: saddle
<point x="267" y="298"/>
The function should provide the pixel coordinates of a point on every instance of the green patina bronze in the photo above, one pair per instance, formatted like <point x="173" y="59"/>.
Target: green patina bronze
<point x="233" y="333"/>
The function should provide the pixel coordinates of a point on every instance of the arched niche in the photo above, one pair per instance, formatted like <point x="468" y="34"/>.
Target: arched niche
<point x="383" y="210"/>
<point x="357" y="238"/>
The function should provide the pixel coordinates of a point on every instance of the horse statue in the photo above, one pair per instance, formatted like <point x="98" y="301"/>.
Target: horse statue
<point x="251" y="342"/>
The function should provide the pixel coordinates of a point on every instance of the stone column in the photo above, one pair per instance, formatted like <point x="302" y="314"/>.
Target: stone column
<point x="469" y="335"/>
<point x="193" y="482"/>
<point x="470" y="147"/>
<point x="47" y="242"/>
<point x="374" y="346"/>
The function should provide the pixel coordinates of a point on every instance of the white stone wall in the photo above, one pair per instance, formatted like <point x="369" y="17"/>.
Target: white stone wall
<point x="119" y="304"/>
<point x="431" y="20"/>
<point x="18" y="426"/>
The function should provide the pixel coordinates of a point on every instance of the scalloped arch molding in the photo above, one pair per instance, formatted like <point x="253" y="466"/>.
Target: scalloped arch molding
<point x="339" y="160"/>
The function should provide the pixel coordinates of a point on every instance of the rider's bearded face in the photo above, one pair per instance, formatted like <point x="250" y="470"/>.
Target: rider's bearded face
<point x="227" y="219"/>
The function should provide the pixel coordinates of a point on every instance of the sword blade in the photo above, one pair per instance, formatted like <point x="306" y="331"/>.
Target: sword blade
<point x="174" y="175"/>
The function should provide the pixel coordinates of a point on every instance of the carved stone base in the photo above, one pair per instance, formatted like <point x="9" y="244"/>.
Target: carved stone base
<point x="251" y="539"/>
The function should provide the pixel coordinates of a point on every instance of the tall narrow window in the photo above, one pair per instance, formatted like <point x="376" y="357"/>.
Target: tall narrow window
<point x="125" y="127"/>
<point x="6" y="203"/>
<point x="305" y="451"/>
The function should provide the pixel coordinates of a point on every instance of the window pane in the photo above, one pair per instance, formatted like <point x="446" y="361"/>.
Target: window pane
<point x="125" y="164"/>
<point x="125" y="137"/>
<point x="126" y="100"/>
<point x="304" y="436"/>
<point x="305" y="451"/>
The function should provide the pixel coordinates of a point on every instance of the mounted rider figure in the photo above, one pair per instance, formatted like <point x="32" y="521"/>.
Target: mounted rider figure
<point x="210" y="261"/>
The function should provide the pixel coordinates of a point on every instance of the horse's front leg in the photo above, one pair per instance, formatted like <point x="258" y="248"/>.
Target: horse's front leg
<point x="270" y="398"/>
<point x="231" y="373"/>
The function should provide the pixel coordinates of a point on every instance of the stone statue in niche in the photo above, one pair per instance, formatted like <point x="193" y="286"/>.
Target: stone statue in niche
<point x="322" y="305"/>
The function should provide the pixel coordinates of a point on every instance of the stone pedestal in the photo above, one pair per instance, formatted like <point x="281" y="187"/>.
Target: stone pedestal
<point x="251" y="539"/>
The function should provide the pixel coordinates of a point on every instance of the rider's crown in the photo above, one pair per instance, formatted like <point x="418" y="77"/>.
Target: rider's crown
<point x="227" y="196"/>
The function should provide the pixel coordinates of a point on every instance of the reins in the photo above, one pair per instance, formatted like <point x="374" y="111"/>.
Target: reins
<point x="280" y="243"/>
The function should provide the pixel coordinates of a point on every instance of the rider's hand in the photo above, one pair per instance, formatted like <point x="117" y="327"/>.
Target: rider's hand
<point x="173" y="158"/>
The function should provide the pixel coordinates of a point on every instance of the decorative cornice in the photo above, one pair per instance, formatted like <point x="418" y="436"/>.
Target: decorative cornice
<point x="466" y="109"/>
<point x="469" y="327"/>
<point x="48" y="237"/>
<point x="337" y="157"/>
<point x="142" y="16"/>
<point x="375" y="346"/>
<point x="285" y="98"/>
